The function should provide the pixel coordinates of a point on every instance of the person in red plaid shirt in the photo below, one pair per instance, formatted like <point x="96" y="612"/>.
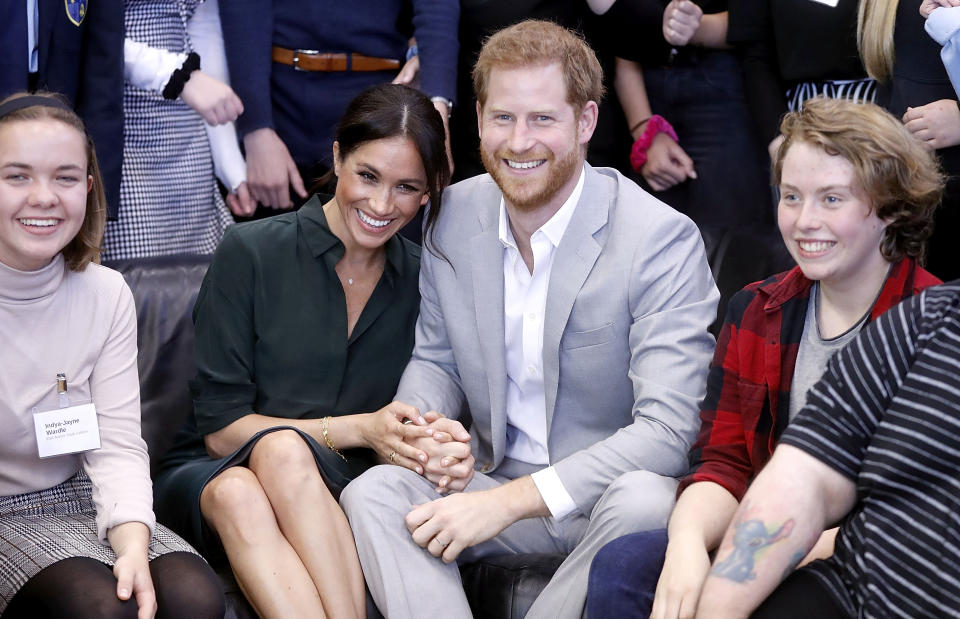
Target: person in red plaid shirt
<point x="857" y="196"/>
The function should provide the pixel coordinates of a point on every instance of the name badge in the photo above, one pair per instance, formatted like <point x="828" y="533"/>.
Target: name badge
<point x="67" y="430"/>
<point x="830" y="3"/>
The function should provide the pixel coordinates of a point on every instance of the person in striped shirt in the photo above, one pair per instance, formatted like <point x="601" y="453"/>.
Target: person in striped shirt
<point x="877" y="447"/>
<point x="857" y="197"/>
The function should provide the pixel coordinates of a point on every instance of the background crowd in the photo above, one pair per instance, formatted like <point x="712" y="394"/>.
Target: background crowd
<point x="225" y="106"/>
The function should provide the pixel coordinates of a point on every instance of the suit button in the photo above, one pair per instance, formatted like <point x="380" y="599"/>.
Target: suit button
<point x="486" y="468"/>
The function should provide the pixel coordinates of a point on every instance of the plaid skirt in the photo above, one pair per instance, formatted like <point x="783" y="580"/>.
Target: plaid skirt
<point x="37" y="529"/>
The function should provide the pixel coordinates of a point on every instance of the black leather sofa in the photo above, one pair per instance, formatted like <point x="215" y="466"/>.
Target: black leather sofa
<point x="165" y="289"/>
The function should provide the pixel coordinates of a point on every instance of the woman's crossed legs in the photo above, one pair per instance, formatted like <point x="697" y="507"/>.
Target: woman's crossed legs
<point x="288" y="541"/>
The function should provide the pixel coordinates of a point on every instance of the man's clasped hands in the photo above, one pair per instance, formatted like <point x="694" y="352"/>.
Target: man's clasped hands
<point x="438" y="448"/>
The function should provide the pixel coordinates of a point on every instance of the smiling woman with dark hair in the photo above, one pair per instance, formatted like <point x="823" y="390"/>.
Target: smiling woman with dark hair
<point x="305" y="322"/>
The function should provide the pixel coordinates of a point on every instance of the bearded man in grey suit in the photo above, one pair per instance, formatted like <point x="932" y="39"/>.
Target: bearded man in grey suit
<point x="566" y="311"/>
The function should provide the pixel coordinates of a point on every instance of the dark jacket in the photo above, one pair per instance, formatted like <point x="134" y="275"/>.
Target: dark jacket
<point x="81" y="58"/>
<point x="304" y="107"/>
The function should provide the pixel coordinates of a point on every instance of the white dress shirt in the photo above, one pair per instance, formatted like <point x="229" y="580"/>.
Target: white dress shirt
<point x="943" y="26"/>
<point x="524" y="303"/>
<point x="33" y="38"/>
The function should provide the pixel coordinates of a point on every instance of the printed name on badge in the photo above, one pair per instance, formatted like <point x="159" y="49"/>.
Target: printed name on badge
<point x="67" y="430"/>
<point x="830" y="3"/>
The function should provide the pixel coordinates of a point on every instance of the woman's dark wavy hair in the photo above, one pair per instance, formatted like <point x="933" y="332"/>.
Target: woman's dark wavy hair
<point x="393" y="110"/>
<point x="900" y="177"/>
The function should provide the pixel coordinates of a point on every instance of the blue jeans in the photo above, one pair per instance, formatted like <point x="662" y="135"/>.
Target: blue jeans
<point x="624" y="574"/>
<point x="701" y="95"/>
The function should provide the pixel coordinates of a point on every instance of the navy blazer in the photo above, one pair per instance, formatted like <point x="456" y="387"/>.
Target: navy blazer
<point x="85" y="63"/>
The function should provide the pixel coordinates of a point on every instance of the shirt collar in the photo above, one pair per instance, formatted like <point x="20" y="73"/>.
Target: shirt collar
<point x="25" y="286"/>
<point x="554" y="228"/>
<point x="320" y="240"/>
<point x="792" y="285"/>
<point x="898" y="285"/>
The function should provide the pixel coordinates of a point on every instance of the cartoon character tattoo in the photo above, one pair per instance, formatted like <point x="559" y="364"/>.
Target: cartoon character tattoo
<point x="749" y="538"/>
<point x="794" y="562"/>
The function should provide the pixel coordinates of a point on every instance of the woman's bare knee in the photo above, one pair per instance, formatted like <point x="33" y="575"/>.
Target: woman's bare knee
<point x="285" y="466"/>
<point x="235" y="497"/>
<point x="282" y="450"/>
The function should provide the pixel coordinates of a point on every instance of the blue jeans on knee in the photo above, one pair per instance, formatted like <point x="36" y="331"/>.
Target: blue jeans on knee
<point x="624" y="574"/>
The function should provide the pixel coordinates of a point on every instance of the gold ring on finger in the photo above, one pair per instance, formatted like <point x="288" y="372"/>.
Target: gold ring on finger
<point x="393" y="457"/>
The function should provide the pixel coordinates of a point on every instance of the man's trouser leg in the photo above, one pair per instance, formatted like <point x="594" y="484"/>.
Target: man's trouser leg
<point x="635" y="501"/>
<point x="404" y="579"/>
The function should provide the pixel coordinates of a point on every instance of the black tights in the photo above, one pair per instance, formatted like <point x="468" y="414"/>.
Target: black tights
<point x="81" y="587"/>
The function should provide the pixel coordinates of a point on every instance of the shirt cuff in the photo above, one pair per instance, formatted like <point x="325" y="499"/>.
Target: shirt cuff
<point x="558" y="500"/>
<point x="228" y="162"/>
<point x="149" y="68"/>
<point x="943" y="23"/>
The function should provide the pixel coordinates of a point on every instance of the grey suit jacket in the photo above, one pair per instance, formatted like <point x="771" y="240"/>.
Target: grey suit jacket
<point x="625" y="341"/>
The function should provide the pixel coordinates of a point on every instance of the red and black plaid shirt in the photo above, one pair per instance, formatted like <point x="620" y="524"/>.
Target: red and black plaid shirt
<point x="748" y="387"/>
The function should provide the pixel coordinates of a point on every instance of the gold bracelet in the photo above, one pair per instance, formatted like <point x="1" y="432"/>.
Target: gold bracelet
<point x="326" y="437"/>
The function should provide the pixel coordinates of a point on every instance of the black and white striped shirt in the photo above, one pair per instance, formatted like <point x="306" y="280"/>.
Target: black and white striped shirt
<point x="887" y="415"/>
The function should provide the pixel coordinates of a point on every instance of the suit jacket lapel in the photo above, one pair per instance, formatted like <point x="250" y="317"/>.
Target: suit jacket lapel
<point x="49" y="11"/>
<point x="577" y="253"/>
<point x="487" y="252"/>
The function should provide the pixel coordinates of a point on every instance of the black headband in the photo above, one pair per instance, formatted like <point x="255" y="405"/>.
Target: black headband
<point x="29" y="101"/>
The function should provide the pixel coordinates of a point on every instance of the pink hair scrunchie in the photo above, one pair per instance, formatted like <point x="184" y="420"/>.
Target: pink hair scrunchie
<point x="656" y="124"/>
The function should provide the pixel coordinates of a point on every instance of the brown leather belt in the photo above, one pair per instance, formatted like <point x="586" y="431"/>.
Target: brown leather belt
<point x="313" y="60"/>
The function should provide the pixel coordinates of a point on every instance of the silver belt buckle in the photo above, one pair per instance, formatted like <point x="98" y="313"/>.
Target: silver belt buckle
<point x="296" y="57"/>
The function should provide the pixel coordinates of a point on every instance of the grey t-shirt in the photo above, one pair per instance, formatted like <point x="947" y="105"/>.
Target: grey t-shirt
<point x="814" y="352"/>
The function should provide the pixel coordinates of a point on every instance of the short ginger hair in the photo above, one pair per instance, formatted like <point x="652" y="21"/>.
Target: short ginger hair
<point x="542" y="43"/>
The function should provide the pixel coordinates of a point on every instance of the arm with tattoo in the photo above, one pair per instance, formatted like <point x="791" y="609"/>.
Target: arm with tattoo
<point x="781" y="517"/>
<point x="751" y="538"/>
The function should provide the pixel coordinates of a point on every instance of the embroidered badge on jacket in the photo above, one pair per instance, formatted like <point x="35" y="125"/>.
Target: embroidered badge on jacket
<point x="76" y="10"/>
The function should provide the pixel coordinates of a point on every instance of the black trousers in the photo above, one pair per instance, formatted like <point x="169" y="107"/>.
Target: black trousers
<point x="800" y="596"/>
